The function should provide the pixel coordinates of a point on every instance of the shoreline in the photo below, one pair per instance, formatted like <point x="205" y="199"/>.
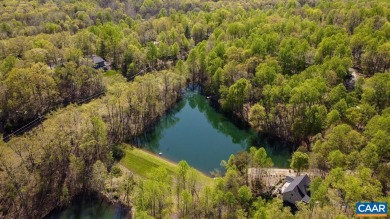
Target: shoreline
<point x="93" y="195"/>
<point x="171" y="161"/>
<point x="140" y="161"/>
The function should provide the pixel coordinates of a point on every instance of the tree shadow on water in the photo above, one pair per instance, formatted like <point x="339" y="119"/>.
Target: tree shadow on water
<point x="151" y="138"/>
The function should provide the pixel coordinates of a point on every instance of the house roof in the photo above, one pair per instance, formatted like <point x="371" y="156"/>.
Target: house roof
<point x="97" y="59"/>
<point x="297" y="180"/>
<point x="306" y="199"/>
<point x="289" y="178"/>
<point x="284" y="186"/>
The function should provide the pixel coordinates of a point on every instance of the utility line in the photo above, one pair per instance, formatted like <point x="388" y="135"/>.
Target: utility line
<point x="140" y="72"/>
<point x="40" y="118"/>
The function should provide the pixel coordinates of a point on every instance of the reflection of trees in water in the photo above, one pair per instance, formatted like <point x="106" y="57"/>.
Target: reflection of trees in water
<point x="151" y="139"/>
<point x="275" y="148"/>
<point x="192" y="102"/>
<point x="221" y="123"/>
<point x="194" y="98"/>
<point x="90" y="206"/>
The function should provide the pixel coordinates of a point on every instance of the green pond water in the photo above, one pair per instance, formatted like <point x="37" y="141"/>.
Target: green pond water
<point x="89" y="207"/>
<point x="194" y="131"/>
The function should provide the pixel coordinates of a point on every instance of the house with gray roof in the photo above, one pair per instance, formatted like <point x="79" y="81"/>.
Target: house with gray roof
<point x="99" y="62"/>
<point x="296" y="189"/>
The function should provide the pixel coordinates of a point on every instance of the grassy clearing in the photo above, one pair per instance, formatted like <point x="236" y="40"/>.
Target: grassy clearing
<point x="110" y="73"/>
<point x="141" y="162"/>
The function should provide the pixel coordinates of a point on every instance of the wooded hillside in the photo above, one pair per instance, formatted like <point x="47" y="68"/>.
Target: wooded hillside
<point x="314" y="73"/>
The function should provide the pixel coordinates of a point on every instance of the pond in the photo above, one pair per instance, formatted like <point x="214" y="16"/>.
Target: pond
<point x="194" y="131"/>
<point x="90" y="207"/>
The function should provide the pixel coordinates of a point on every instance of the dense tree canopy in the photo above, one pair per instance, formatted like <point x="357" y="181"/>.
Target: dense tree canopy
<point x="313" y="73"/>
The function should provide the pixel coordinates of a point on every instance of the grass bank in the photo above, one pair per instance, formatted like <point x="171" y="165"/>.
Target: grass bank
<point x="141" y="162"/>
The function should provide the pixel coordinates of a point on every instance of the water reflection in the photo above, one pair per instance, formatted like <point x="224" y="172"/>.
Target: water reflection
<point x="169" y="120"/>
<point x="90" y="207"/>
<point x="194" y="131"/>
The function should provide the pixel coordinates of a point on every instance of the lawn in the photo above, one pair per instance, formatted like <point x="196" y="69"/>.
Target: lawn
<point x="141" y="162"/>
<point x="110" y="73"/>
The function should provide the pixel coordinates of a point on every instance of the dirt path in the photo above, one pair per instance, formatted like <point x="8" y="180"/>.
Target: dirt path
<point x="273" y="177"/>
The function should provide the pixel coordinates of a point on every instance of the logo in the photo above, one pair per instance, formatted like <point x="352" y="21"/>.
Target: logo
<point x="372" y="209"/>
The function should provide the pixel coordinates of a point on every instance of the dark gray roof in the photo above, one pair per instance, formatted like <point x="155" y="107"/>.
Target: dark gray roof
<point x="289" y="178"/>
<point x="306" y="199"/>
<point x="97" y="59"/>
<point x="297" y="180"/>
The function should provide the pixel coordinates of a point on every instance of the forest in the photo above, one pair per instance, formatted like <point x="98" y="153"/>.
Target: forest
<point x="315" y="73"/>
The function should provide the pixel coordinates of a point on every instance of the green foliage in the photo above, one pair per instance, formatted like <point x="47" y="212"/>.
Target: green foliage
<point x="99" y="174"/>
<point x="116" y="171"/>
<point x="293" y="55"/>
<point x="244" y="197"/>
<point x="260" y="158"/>
<point x="257" y="117"/>
<point x="332" y="117"/>
<point x="336" y="159"/>
<point x="280" y="67"/>
<point x="266" y="73"/>
<point x="27" y="102"/>
<point x="118" y="152"/>
<point x="299" y="161"/>
<point x="378" y="130"/>
<point x="377" y="91"/>
<point x="236" y="95"/>
<point x="155" y="189"/>
<point x="6" y="66"/>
